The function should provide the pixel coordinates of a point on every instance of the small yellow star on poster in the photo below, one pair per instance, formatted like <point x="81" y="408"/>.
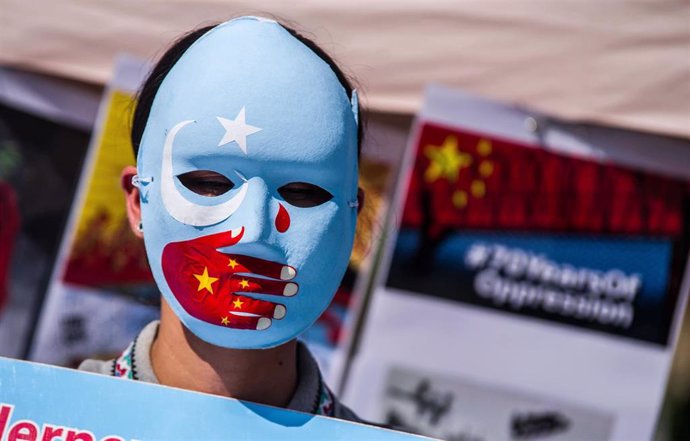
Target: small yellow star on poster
<point x="224" y="321"/>
<point x="244" y="283"/>
<point x="484" y="147"/>
<point x="205" y="281"/>
<point x="460" y="199"/>
<point x="445" y="161"/>
<point x="232" y="263"/>
<point x="238" y="304"/>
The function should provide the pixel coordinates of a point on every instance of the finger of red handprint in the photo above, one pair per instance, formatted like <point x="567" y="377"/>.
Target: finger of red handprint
<point x="237" y="321"/>
<point x="212" y="299"/>
<point x="247" y="264"/>
<point x="222" y="300"/>
<point x="249" y="284"/>
<point x="255" y="306"/>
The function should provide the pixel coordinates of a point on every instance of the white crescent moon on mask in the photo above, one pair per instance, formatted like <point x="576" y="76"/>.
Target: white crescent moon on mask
<point x="182" y="209"/>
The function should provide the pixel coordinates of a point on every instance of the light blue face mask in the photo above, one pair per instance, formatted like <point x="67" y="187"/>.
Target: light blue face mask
<point x="255" y="266"/>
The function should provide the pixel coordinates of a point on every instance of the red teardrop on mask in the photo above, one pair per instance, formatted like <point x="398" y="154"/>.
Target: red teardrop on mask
<point x="282" y="219"/>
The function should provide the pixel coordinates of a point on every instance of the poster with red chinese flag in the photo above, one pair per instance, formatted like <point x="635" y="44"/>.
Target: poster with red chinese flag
<point x="465" y="181"/>
<point x="533" y="282"/>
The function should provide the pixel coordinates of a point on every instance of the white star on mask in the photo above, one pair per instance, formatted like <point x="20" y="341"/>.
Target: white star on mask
<point x="236" y="130"/>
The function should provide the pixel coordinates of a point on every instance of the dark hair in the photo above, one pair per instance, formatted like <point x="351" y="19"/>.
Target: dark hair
<point x="150" y="87"/>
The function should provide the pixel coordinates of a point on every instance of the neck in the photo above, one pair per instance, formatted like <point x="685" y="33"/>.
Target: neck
<point x="181" y="359"/>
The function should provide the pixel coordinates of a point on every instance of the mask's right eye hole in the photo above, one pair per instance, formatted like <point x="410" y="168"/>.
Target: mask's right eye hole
<point x="206" y="182"/>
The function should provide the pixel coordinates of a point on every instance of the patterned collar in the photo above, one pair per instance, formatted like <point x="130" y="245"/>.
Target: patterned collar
<point x="124" y="366"/>
<point x="134" y="364"/>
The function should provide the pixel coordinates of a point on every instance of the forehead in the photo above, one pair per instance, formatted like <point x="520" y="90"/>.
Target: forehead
<point x="286" y="91"/>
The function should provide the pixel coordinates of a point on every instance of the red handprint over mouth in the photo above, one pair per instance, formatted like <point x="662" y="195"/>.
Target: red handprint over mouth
<point x="208" y="283"/>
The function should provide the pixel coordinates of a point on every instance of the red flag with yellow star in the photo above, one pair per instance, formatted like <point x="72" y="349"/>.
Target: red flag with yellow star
<point x="469" y="180"/>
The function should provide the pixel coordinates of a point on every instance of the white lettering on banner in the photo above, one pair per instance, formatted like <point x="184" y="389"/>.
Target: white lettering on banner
<point x="518" y="295"/>
<point x="520" y="279"/>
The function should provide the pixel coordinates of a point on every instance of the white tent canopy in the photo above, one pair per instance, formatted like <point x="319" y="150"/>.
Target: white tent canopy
<point x="613" y="62"/>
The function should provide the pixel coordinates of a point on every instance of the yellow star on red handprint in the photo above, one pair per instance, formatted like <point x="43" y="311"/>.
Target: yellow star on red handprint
<point x="205" y="281"/>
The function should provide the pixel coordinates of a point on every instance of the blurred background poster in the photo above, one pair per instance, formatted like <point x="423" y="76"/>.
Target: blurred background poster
<point x="531" y="285"/>
<point x="44" y="134"/>
<point x="101" y="292"/>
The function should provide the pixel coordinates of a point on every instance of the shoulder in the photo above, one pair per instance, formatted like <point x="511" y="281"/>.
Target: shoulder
<point x="104" y="367"/>
<point x="312" y="395"/>
<point x="133" y="363"/>
<point x="343" y="412"/>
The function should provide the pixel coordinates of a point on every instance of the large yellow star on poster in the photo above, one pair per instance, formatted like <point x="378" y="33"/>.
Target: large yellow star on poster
<point x="205" y="281"/>
<point x="445" y="161"/>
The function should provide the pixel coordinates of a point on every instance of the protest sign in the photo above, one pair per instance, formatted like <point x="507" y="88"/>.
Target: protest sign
<point x="533" y="281"/>
<point x="40" y="402"/>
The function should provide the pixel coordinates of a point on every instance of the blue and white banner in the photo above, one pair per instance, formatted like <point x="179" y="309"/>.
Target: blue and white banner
<point x="40" y="402"/>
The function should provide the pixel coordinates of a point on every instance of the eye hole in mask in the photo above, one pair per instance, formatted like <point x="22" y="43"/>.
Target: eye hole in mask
<point x="304" y="195"/>
<point x="206" y="182"/>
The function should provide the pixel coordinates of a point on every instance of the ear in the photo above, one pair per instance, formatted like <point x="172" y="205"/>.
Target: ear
<point x="360" y="199"/>
<point x="131" y="199"/>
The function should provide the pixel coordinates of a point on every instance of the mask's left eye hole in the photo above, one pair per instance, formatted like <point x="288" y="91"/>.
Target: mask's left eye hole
<point x="206" y="182"/>
<point x="304" y="195"/>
